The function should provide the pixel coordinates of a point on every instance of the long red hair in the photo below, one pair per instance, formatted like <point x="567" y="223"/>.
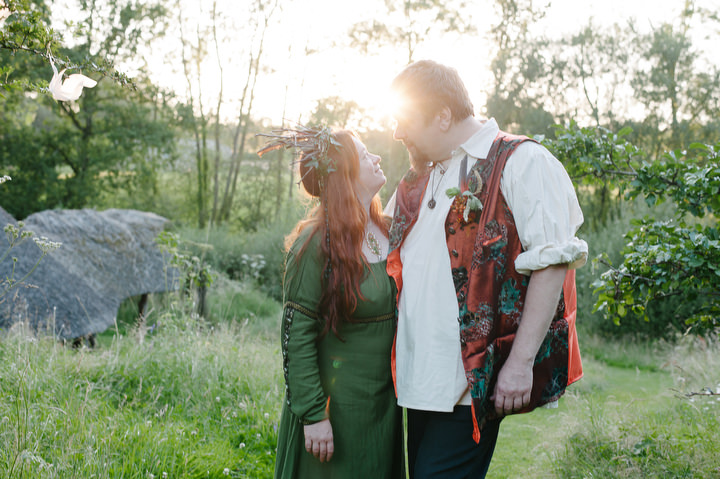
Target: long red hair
<point x="342" y="233"/>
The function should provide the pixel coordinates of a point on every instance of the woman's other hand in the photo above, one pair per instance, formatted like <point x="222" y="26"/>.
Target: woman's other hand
<point x="319" y="440"/>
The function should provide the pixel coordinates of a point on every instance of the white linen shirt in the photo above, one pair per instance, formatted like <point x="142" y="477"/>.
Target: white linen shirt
<point x="430" y="373"/>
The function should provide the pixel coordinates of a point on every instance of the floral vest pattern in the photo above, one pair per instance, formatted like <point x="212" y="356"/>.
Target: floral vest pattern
<point x="483" y="244"/>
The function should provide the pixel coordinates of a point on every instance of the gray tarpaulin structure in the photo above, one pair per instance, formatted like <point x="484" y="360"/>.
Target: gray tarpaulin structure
<point x="76" y="290"/>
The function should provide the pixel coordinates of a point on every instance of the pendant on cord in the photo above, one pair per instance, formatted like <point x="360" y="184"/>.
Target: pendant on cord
<point x="432" y="203"/>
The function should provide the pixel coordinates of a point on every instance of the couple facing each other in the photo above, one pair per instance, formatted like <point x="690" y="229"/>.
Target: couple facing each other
<point x="458" y="305"/>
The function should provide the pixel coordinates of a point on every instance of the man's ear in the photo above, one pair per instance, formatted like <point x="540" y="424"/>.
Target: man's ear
<point x="444" y="119"/>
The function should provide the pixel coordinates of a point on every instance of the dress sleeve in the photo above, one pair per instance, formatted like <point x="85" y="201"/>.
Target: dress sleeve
<point x="545" y="207"/>
<point x="300" y="328"/>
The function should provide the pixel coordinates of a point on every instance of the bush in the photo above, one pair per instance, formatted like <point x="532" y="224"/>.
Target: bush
<point x="257" y="256"/>
<point x="665" y="318"/>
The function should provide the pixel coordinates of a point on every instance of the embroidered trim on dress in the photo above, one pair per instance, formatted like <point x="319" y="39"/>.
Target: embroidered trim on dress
<point x="285" y="340"/>
<point x="314" y="315"/>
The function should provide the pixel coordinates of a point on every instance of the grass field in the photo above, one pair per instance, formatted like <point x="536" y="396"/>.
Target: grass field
<point x="201" y="399"/>
<point x="529" y="444"/>
<point x="627" y="420"/>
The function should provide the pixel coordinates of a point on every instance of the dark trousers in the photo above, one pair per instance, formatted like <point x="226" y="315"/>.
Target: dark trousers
<point x="440" y="445"/>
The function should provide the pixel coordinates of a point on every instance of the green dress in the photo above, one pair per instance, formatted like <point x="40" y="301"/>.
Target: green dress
<point x="352" y="377"/>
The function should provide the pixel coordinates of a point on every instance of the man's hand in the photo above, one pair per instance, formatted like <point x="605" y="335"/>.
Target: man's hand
<point x="513" y="387"/>
<point x="319" y="440"/>
<point x="515" y="379"/>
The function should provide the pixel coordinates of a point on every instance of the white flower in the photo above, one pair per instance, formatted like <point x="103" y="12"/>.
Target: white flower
<point x="4" y="178"/>
<point x="45" y="245"/>
<point x="226" y="472"/>
<point x="71" y="88"/>
<point x="4" y="13"/>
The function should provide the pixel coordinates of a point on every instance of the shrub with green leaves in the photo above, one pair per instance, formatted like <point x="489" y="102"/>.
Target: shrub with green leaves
<point x="679" y="257"/>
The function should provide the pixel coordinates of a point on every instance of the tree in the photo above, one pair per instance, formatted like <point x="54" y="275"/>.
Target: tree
<point x="25" y="29"/>
<point x="600" y="62"/>
<point x="678" y="89"/>
<point x="334" y="112"/>
<point x="262" y="15"/>
<point x="520" y="69"/>
<point x="112" y="137"/>
<point x="196" y="118"/>
<point x="409" y="22"/>
<point x="662" y="259"/>
<point x="658" y="83"/>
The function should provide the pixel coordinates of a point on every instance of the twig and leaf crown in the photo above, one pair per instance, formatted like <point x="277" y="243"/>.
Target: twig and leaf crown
<point x="311" y="143"/>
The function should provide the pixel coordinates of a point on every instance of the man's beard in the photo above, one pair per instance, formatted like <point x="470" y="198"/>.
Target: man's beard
<point x="419" y="161"/>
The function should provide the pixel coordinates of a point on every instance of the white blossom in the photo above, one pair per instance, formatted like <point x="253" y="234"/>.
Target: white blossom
<point x="71" y="87"/>
<point x="45" y="245"/>
<point x="4" y="13"/>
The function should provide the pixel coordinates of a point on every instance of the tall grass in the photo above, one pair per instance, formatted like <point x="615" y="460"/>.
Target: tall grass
<point x="189" y="400"/>
<point x="675" y="438"/>
<point x="183" y="396"/>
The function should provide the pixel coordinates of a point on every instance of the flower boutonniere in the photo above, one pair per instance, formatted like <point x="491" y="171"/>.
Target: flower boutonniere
<point x="469" y="187"/>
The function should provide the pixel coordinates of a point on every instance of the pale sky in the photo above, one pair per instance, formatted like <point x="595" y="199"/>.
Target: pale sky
<point x="336" y="71"/>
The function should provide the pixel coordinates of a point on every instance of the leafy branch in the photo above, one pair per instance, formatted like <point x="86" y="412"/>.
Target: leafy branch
<point x="661" y="259"/>
<point x="27" y="30"/>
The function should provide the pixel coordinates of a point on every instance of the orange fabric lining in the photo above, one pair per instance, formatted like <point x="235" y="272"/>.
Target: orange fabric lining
<point x="575" y="370"/>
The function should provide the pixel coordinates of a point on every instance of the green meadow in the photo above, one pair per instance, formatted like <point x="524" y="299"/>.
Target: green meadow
<point x="185" y="397"/>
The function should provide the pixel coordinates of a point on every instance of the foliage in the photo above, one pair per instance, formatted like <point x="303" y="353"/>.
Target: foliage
<point x="608" y="238"/>
<point x="680" y="257"/>
<point x="28" y="31"/>
<point x="520" y="64"/>
<point x="408" y="23"/>
<point x="195" y="274"/>
<point x="335" y="112"/>
<point x="256" y="256"/>
<point x="659" y="83"/>
<point x="111" y="138"/>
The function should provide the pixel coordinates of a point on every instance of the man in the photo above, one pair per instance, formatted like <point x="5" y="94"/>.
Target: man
<point x="483" y="249"/>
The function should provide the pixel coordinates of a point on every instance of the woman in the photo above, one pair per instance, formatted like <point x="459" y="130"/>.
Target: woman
<point x="340" y="418"/>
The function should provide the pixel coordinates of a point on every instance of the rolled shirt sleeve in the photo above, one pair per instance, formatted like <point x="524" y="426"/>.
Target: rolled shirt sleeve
<point x="545" y="207"/>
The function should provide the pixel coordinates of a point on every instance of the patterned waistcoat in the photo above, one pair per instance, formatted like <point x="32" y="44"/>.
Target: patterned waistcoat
<point x="490" y="292"/>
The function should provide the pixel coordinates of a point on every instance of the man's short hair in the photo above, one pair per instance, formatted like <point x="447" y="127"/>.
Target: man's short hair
<point x="428" y="86"/>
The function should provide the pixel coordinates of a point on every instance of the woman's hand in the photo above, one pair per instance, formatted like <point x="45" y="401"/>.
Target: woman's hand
<point x="319" y="440"/>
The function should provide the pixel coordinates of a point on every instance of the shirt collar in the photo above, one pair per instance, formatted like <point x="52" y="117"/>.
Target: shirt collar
<point x="478" y="145"/>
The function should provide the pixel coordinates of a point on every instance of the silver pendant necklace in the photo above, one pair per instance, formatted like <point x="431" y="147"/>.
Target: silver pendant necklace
<point x="432" y="203"/>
